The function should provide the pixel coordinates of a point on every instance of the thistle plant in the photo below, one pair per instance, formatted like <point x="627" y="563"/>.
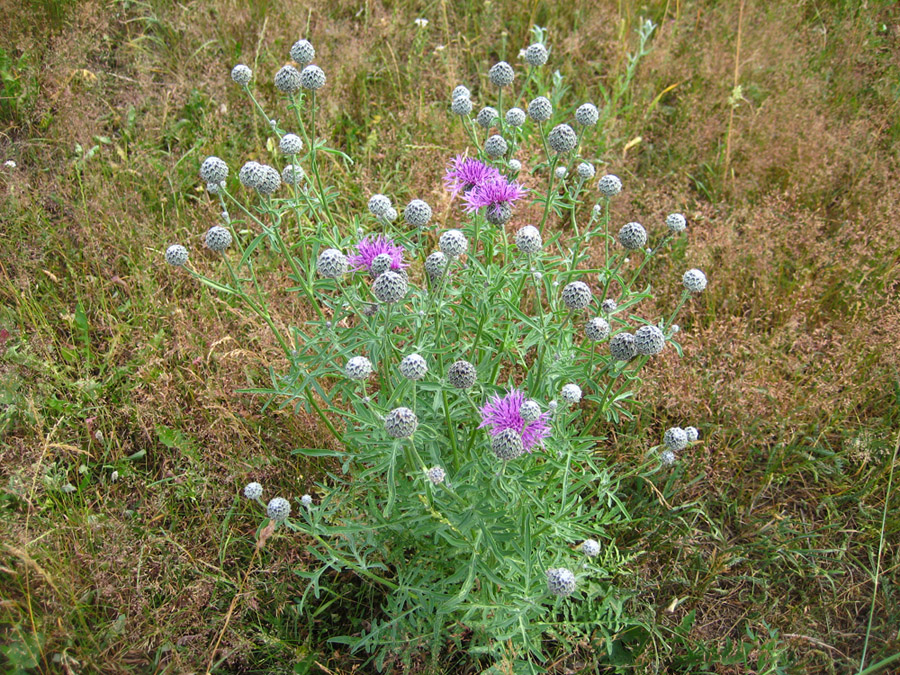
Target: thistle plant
<point x="469" y="375"/>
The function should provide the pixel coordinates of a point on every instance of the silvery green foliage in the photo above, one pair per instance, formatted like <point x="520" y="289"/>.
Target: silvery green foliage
<point x="540" y="109"/>
<point x="536" y="54"/>
<point x="436" y="475"/>
<point x="241" y="74"/>
<point x="514" y="165"/>
<point x="278" y="509"/>
<point x="609" y="185"/>
<point x="253" y="491"/>
<point x="507" y="445"/>
<point x="632" y="236"/>
<point x="303" y="52"/>
<point x="609" y="306"/>
<point x="461" y="106"/>
<point x="560" y="581"/>
<point x="213" y="170"/>
<point x="417" y="213"/>
<point x="587" y="115"/>
<point x="694" y="280"/>
<point x="622" y="348"/>
<point x="332" y="264"/>
<point x="453" y="243"/>
<point x="460" y="92"/>
<point x="218" y="238"/>
<point x="495" y="146"/>
<point x="576" y="295"/>
<point x="562" y="138"/>
<point x="528" y="240"/>
<point x="176" y="255"/>
<point x="413" y="367"/>
<point x="675" y="439"/>
<point x="390" y="287"/>
<point x="570" y="393"/>
<point x="462" y="375"/>
<point x="435" y="264"/>
<point x="287" y="80"/>
<point x="379" y="205"/>
<point x="358" y="368"/>
<point x="586" y="170"/>
<point x="676" y="222"/>
<point x="530" y="411"/>
<point x="649" y="340"/>
<point x="501" y="74"/>
<point x="486" y="117"/>
<point x="499" y="215"/>
<point x="591" y="548"/>
<point x="692" y="434"/>
<point x="312" y="78"/>
<point x="597" y="329"/>
<point x="293" y="174"/>
<point x="515" y="117"/>
<point x="401" y="423"/>
<point x="290" y="144"/>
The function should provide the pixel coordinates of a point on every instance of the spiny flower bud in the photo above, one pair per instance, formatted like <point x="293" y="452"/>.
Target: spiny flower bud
<point x="586" y="170"/>
<point x="528" y="239"/>
<point x="667" y="457"/>
<point x="609" y="185"/>
<point x="529" y="411"/>
<point x="306" y="500"/>
<point x="293" y="174"/>
<point x="621" y="347"/>
<point x="587" y="115"/>
<point x="378" y="205"/>
<point x="676" y="222"/>
<point x="358" y="368"/>
<point x="253" y="491"/>
<point x="571" y="393"/>
<point x="507" y="444"/>
<point x="597" y="329"/>
<point x="591" y="548"/>
<point x="241" y="74"/>
<point x="381" y="263"/>
<point x="536" y="54"/>
<point x="515" y="117"/>
<point x="435" y="264"/>
<point x="692" y="434"/>
<point x="675" y="439"/>
<point x="287" y="80"/>
<point x="390" y="287"/>
<point x="331" y="264"/>
<point x="312" y="78"/>
<point x="249" y="174"/>
<point x="401" y="423"/>
<point x="486" y="117"/>
<point x="501" y="74"/>
<point x="562" y="138"/>
<point x="462" y="375"/>
<point x="560" y="582"/>
<point x="461" y="106"/>
<point x="268" y="180"/>
<point x="540" y="109"/>
<point x="460" y="92"/>
<point x="576" y="295"/>
<point x="561" y="172"/>
<point x="694" y="280"/>
<point x="495" y="146"/>
<point x="436" y="475"/>
<point x="632" y="235"/>
<point x="609" y="306"/>
<point x="453" y="243"/>
<point x="303" y="52"/>
<point x="498" y="214"/>
<point x="290" y="144"/>
<point x="213" y="170"/>
<point x="417" y="213"/>
<point x="514" y="165"/>
<point x="218" y="238"/>
<point x="176" y="255"/>
<point x="215" y="188"/>
<point x="278" y="509"/>
<point x="649" y="340"/>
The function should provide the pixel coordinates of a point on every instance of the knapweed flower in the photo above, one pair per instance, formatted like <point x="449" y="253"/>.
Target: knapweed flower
<point x="694" y="280"/>
<point x="436" y="475"/>
<point x="176" y="255"/>
<point x="218" y="238"/>
<point x="570" y="394"/>
<point x="621" y="347"/>
<point x="278" y="509"/>
<point x="290" y="144"/>
<point x="486" y="117"/>
<point x="597" y="329"/>
<point x="591" y="548"/>
<point x="417" y="213"/>
<point x="507" y="413"/>
<point x="358" y="368"/>
<point x="609" y="185"/>
<point x="331" y="264"/>
<point x="465" y="174"/>
<point x="675" y="439"/>
<point x="462" y="375"/>
<point x="495" y="146"/>
<point x="287" y="80"/>
<point x="241" y="74"/>
<point x="560" y="581"/>
<point x="576" y="295"/>
<point x="501" y="74"/>
<point x="303" y="52"/>
<point x="649" y="340"/>
<point x="676" y="222"/>
<point x="540" y="109"/>
<point x="312" y="78"/>
<point x="632" y="236"/>
<point x="515" y="117"/>
<point x="536" y="54"/>
<point x="390" y="287"/>
<point x="453" y="243"/>
<point x="495" y="196"/>
<point x="413" y="367"/>
<point x="213" y="170"/>
<point x="692" y="434"/>
<point x="528" y="240"/>
<point x="371" y="247"/>
<point x="253" y="491"/>
<point x="401" y="423"/>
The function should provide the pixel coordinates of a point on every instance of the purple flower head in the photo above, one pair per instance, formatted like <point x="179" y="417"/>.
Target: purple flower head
<point x="492" y="194"/>
<point x="371" y="247"/>
<point x="503" y="413"/>
<point x="466" y="173"/>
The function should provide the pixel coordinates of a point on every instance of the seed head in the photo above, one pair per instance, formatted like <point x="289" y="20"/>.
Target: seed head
<point x="303" y="52"/>
<point x="562" y="138"/>
<point x="462" y="375"/>
<point x="331" y="264"/>
<point x="218" y="238"/>
<point x="268" y="180"/>
<point x="675" y="439"/>
<point x="515" y="117"/>
<point x="529" y="411"/>
<point x="436" y="475"/>
<point x="587" y="115"/>
<point x="413" y="367"/>
<point x="649" y="340"/>
<point x="460" y="92"/>
<point x="570" y="394"/>
<point x="453" y="243"/>
<point x="676" y="222"/>
<point x="176" y="255"/>
<point x="287" y="80"/>
<point x="528" y="239"/>
<point x="621" y="347"/>
<point x="692" y="434"/>
<point x="586" y="170"/>
<point x="401" y="423"/>
<point x="358" y="368"/>
<point x="576" y="295"/>
<point x="597" y="329"/>
<point x="278" y="509"/>
<point x="591" y="548"/>
<point x="290" y="144"/>
<point x="417" y="213"/>
<point x="241" y="74"/>
<point x="495" y="146"/>
<point x="560" y="581"/>
<point x="293" y="174"/>
<point x="390" y="287"/>
<point x="514" y="165"/>
<point x="312" y="78"/>
<point x="461" y="106"/>
<point x="609" y="185"/>
<point x="378" y="205"/>
<point x="435" y="264"/>
<point x="486" y="117"/>
<point x="507" y="444"/>
<point x="540" y="109"/>
<point x="213" y="170"/>
<point x="307" y="501"/>
<point x="694" y="280"/>
<point x="536" y="54"/>
<point x="253" y="491"/>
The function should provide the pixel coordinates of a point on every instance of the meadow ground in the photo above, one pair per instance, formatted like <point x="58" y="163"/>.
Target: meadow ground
<point x="773" y="125"/>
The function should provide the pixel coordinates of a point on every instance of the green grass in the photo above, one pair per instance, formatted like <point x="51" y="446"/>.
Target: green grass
<point x="758" y="555"/>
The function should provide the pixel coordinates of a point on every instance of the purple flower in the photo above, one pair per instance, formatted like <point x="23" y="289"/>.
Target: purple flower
<point x="371" y="247"/>
<point x="504" y="413"/>
<point x="493" y="194"/>
<point x="466" y="173"/>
